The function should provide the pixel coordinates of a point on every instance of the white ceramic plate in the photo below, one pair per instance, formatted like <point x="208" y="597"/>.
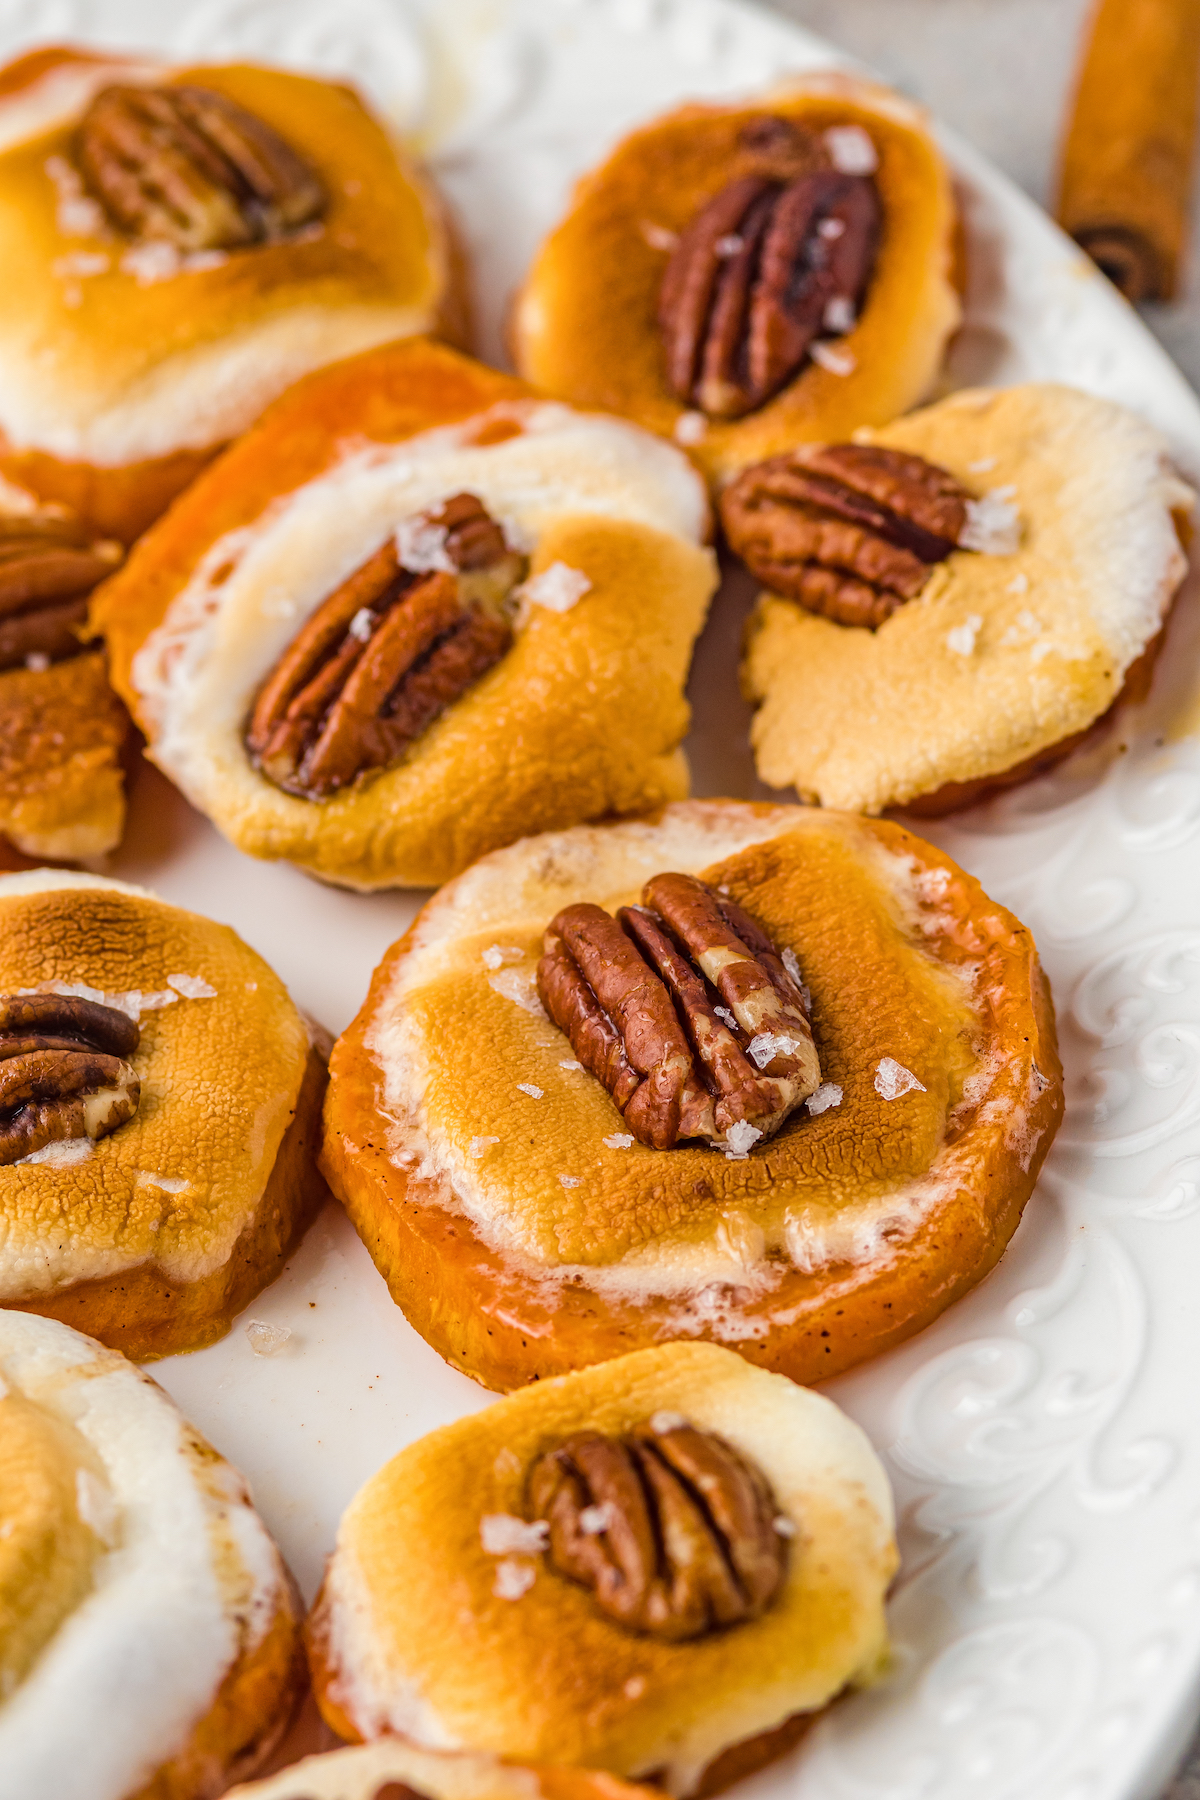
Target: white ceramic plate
<point x="1044" y="1436"/>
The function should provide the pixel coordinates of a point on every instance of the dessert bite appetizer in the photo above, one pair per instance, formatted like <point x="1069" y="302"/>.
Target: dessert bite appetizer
<point x="746" y="277"/>
<point x="664" y="1566"/>
<point x="414" y="614"/>
<point x="149" y="1631"/>
<point x="160" y="1105"/>
<point x="981" y="581"/>
<point x="62" y="790"/>
<point x="771" y="1076"/>
<point x="180" y="244"/>
<point x="391" y="1769"/>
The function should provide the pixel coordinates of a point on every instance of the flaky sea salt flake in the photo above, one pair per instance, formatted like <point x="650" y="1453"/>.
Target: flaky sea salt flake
<point x="513" y="1579"/>
<point x="595" y="1519"/>
<point x="362" y="625"/>
<point x="266" y="1340"/>
<point x="503" y="1534"/>
<point x="665" y="1420"/>
<point x="962" y="638"/>
<point x="740" y="1139"/>
<point x="620" y="1140"/>
<point x="852" y="150"/>
<point x="690" y="428"/>
<point x="519" y="986"/>
<point x="498" y="956"/>
<point x="892" y="1080"/>
<point x="993" y="524"/>
<point x="479" y="1146"/>
<point x="827" y="1095"/>
<point x="528" y="1087"/>
<point x="659" y="237"/>
<point x="767" y="1045"/>
<point x="421" y="547"/>
<point x="571" y="1181"/>
<point x="839" y="314"/>
<point x="558" y="587"/>
<point x="192" y="987"/>
<point x="830" y="357"/>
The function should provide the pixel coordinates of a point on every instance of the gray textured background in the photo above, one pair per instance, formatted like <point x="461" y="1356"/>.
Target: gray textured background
<point x="1000" y="71"/>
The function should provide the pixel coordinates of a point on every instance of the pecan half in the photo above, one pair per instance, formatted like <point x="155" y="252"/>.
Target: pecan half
<point x="672" y="1530"/>
<point x="684" y="1009"/>
<point x="848" y="530"/>
<point x="768" y="265"/>
<point x="64" y="1071"/>
<point x="189" y="167"/>
<point x="403" y="638"/>
<point x="48" y="567"/>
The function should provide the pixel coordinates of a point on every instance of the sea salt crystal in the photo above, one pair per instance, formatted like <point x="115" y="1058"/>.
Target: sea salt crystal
<point x="892" y="1079"/>
<point x="831" y="229"/>
<point x="635" y="1687"/>
<point x="827" y="1095"/>
<point x="839" y="314"/>
<point x="37" y="662"/>
<point x="595" y="1519"/>
<point x="62" y="1153"/>
<point x="421" y="547"/>
<point x="519" y="986"/>
<point x="503" y="1534"/>
<point x="570" y="1064"/>
<point x="783" y="1526"/>
<point x="192" y="987"/>
<point x="726" y="1017"/>
<point x="838" y="362"/>
<point x="791" y="963"/>
<point x="767" y="1045"/>
<point x="570" y="1181"/>
<point x="1018" y="585"/>
<point x="852" y="150"/>
<point x="362" y="624"/>
<point x="690" y="428"/>
<point x="513" y="1579"/>
<point x="266" y="1340"/>
<point x="151" y="262"/>
<point x="78" y="214"/>
<point x="982" y="466"/>
<point x="620" y="1140"/>
<point x="558" y="587"/>
<point x="962" y="638"/>
<point x="498" y="956"/>
<point x="527" y="1087"/>
<point x="740" y="1139"/>
<point x="479" y="1146"/>
<point x="663" y="1421"/>
<point x="729" y="245"/>
<point x="659" y="237"/>
<point x="96" y="1505"/>
<point x="993" y="524"/>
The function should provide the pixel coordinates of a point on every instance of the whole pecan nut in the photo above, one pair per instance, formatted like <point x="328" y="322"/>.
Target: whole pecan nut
<point x="48" y="567"/>
<point x="190" y="167"/>
<point x="768" y="265"/>
<point x="64" y="1071"/>
<point x="686" y="1012"/>
<point x="848" y="530"/>
<point x="403" y="638"/>
<point x="673" y="1531"/>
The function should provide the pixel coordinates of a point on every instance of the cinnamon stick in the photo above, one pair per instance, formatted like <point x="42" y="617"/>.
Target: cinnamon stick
<point x="1127" y="155"/>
